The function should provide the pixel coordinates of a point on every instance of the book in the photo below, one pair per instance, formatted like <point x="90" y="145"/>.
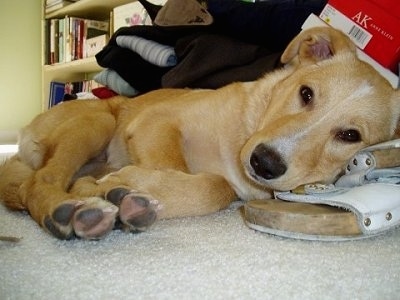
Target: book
<point x="61" y="39"/>
<point x="52" y="41"/>
<point x="65" y="91"/>
<point x="84" y="86"/>
<point x="78" y="36"/>
<point x="46" y="47"/>
<point x="72" y="40"/>
<point x="53" y="2"/>
<point x="57" y="91"/>
<point x="53" y="6"/>
<point x="66" y="38"/>
<point x="56" y="40"/>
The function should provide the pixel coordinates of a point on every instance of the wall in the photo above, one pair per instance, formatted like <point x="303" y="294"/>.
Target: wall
<point x="20" y="63"/>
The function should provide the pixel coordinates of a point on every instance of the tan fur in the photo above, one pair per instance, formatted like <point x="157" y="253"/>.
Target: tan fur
<point x="191" y="149"/>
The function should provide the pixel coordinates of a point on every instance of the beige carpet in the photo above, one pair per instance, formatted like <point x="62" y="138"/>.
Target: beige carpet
<point x="211" y="257"/>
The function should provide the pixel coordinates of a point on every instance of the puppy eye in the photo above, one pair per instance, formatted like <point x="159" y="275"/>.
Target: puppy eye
<point x="306" y="94"/>
<point x="349" y="136"/>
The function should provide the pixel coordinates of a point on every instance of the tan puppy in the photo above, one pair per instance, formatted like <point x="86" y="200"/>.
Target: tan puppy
<point x="193" y="152"/>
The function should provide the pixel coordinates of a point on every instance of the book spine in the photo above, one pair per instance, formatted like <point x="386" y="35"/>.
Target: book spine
<point x="72" y="22"/>
<point x="67" y="39"/>
<point x="81" y="29"/>
<point x="56" y="41"/>
<point x="61" y="39"/>
<point x="51" y="42"/>
<point x="46" y="46"/>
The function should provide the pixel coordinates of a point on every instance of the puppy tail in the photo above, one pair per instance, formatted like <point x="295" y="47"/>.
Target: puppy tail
<point x="13" y="173"/>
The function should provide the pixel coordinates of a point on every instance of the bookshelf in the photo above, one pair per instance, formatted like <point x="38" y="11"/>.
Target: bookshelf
<point x="78" y="69"/>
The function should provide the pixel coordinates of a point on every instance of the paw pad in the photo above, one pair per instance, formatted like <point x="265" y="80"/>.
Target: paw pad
<point x="137" y="211"/>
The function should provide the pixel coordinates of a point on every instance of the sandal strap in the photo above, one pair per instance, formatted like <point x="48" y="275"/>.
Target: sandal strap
<point x="377" y="163"/>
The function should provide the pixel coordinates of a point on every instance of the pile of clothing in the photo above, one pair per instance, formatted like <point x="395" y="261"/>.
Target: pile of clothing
<point x="191" y="46"/>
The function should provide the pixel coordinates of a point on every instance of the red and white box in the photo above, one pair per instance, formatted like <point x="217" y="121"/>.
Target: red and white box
<point x="391" y="6"/>
<point x="373" y="25"/>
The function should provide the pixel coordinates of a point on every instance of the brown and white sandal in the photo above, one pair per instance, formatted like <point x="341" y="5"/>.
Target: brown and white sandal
<point x="364" y="202"/>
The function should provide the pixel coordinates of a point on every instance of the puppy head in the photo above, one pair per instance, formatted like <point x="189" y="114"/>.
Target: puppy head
<point x="321" y="111"/>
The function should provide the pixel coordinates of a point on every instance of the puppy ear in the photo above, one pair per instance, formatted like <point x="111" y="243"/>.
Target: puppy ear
<point x="316" y="44"/>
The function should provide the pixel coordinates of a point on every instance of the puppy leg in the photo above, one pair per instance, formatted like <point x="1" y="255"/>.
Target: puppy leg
<point x="69" y="147"/>
<point x="179" y="194"/>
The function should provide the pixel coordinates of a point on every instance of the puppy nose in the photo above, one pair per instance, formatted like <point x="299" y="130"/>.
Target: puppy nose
<point x="267" y="163"/>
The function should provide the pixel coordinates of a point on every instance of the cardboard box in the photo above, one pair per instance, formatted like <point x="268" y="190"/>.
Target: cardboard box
<point x="371" y="27"/>
<point x="95" y="44"/>
<point x="315" y="21"/>
<point x="131" y="14"/>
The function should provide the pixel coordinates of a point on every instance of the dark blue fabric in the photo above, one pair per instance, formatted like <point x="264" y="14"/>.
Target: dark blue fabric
<point x="272" y="23"/>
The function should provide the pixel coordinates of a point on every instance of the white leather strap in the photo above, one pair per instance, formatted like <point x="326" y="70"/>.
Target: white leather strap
<point x="366" y="165"/>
